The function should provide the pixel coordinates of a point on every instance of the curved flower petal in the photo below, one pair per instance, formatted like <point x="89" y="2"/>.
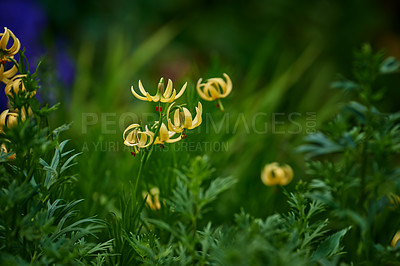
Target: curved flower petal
<point x="181" y="91"/>
<point x="177" y="125"/>
<point x="177" y="118"/>
<point x="12" y="119"/>
<point x="6" y="75"/>
<point x="145" y="138"/>
<point x="137" y="95"/>
<point x="218" y="84"/>
<point x="187" y="118"/>
<point x="3" y="116"/>
<point x="167" y="93"/>
<point x="173" y="140"/>
<point x="212" y="91"/>
<point x="131" y="139"/>
<point x="165" y="136"/>
<point x="169" y="99"/>
<point x="228" y="85"/>
<point x="163" y="133"/>
<point x="146" y="96"/>
<point x="200" y="92"/>
<point x="154" y="98"/>
<point x="141" y="88"/>
<point x="8" y="119"/>
<point x="129" y="135"/>
<point x="4" y="39"/>
<point x="198" y="118"/>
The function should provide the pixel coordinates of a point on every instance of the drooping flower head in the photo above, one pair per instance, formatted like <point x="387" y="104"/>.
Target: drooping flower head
<point x="136" y="138"/>
<point x="183" y="118"/>
<point x="166" y="96"/>
<point x="153" y="198"/>
<point x="9" y="119"/>
<point x="16" y="84"/>
<point x="214" y="89"/>
<point x="273" y="174"/>
<point x="6" y="74"/>
<point x="11" y="51"/>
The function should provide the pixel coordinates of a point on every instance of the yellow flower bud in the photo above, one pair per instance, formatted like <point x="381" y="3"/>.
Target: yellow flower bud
<point x="153" y="199"/>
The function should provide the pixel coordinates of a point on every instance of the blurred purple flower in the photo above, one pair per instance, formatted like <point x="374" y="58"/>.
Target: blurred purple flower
<point x="65" y="66"/>
<point x="28" y="20"/>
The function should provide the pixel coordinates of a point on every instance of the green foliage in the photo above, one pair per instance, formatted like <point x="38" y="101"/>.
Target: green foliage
<point x="354" y="169"/>
<point x="37" y="226"/>
<point x="345" y="213"/>
<point x="299" y="237"/>
<point x="182" y="242"/>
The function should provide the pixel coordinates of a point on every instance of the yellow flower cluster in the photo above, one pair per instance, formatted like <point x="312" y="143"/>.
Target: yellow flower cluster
<point x="14" y="83"/>
<point x="273" y="174"/>
<point x="178" y="118"/>
<point x="169" y="132"/>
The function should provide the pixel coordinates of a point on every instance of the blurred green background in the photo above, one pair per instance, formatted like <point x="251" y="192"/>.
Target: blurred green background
<point x="281" y="56"/>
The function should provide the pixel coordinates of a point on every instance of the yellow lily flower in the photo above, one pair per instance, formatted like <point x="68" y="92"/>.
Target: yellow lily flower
<point x="214" y="89"/>
<point x="16" y="84"/>
<point x="183" y="119"/>
<point x="165" y="135"/>
<point x="136" y="138"/>
<point x="5" y="37"/>
<point x="273" y="174"/>
<point x="153" y="199"/>
<point x="6" y="75"/>
<point x="167" y="96"/>
<point x="9" y="119"/>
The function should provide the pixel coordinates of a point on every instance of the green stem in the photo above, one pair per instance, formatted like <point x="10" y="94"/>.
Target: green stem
<point x="220" y="105"/>
<point x="138" y="175"/>
<point x="146" y="156"/>
<point x="160" y="118"/>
